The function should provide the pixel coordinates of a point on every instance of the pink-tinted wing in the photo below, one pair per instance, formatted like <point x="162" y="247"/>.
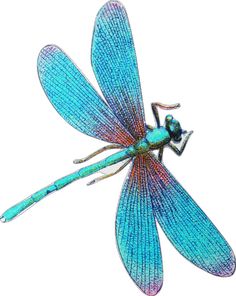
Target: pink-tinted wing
<point x="186" y="225"/>
<point x="136" y="232"/>
<point x="115" y="66"/>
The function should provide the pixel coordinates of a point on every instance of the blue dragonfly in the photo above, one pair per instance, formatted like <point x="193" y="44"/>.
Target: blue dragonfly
<point x="150" y="193"/>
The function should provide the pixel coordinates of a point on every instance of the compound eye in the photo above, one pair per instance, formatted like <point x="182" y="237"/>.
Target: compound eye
<point x="169" y="118"/>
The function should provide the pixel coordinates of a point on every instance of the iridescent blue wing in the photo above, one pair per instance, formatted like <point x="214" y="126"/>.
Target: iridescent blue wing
<point x="186" y="225"/>
<point x="136" y="232"/>
<point x="115" y="67"/>
<point x="76" y="100"/>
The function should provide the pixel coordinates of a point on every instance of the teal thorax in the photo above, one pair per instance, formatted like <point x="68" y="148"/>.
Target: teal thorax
<point x="154" y="139"/>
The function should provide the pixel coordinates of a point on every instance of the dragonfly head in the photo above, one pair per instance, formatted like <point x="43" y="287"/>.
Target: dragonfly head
<point x="173" y="127"/>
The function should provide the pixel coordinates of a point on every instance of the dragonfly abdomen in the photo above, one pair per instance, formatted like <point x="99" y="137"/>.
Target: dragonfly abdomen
<point x="17" y="209"/>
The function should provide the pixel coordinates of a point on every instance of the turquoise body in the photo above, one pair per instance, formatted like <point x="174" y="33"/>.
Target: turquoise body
<point x="154" y="139"/>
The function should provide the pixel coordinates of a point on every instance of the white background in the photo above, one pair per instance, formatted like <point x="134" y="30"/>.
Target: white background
<point x="66" y="244"/>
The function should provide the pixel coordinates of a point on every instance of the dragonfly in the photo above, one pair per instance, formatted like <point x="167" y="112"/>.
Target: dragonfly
<point x="150" y="195"/>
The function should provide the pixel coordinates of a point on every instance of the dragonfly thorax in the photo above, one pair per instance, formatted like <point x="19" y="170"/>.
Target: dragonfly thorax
<point x="157" y="137"/>
<point x="154" y="139"/>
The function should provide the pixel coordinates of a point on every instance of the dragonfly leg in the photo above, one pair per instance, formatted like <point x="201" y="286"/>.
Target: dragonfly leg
<point x="178" y="148"/>
<point x="108" y="147"/>
<point x="160" y="154"/>
<point x="164" y="107"/>
<point x="109" y="175"/>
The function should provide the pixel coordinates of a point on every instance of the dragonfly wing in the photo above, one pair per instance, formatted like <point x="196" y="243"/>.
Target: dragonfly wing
<point x="115" y="66"/>
<point x="136" y="232"/>
<point x="186" y="225"/>
<point x="76" y="100"/>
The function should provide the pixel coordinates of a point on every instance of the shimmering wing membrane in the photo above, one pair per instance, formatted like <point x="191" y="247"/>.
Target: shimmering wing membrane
<point x="76" y="100"/>
<point x="136" y="231"/>
<point x="115" y="66"/>
<point x="186" y="225"/>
